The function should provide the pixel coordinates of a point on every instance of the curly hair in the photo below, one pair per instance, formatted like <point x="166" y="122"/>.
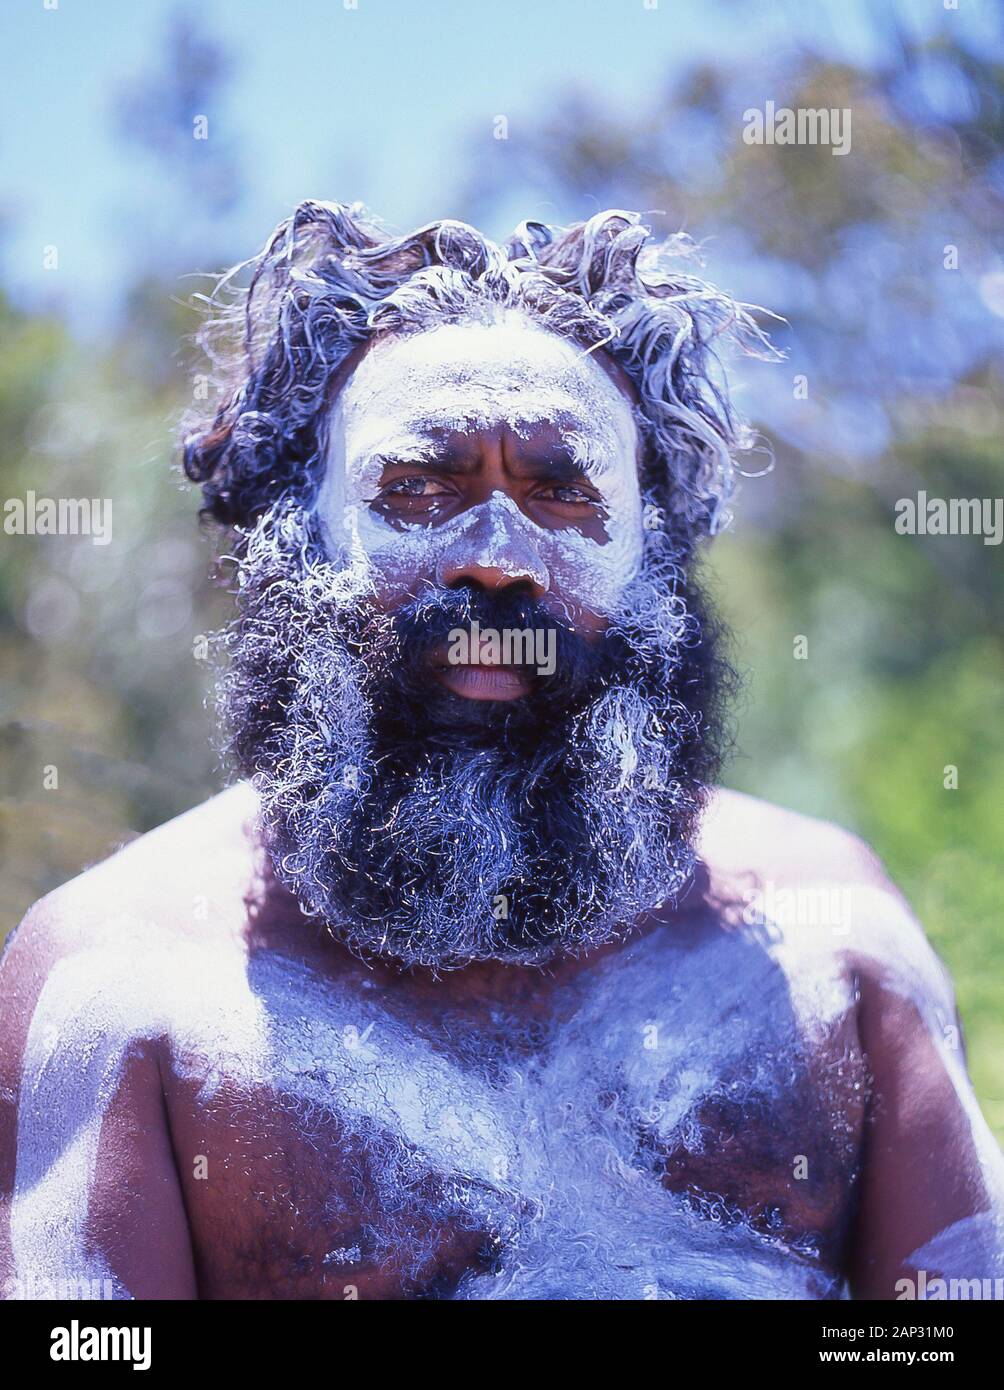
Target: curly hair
<point x="330" y="280"/>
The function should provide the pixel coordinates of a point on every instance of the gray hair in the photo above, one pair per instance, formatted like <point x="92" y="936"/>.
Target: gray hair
<point x="330" y="280"/>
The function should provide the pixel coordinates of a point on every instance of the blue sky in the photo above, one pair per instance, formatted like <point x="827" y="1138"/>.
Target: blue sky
<point x="379" y="103"/>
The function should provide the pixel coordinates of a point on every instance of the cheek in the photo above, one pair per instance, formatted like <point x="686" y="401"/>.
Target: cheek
<point x="397" y="560"/>
<point x="585" y="576"/>
<point x="592" y="577"/>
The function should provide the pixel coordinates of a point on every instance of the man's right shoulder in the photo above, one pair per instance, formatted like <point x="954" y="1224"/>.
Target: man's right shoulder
<point x="96" y="986"/>
<point x="190" y="875"/>
<point x="166" y="895"/>
<point x="107" y="955"/>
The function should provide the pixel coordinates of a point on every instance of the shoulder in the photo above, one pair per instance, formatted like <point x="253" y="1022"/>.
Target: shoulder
<point x="741" y="834"/>
<point x="110" y="966"/>
<point x="191" y="873"/>
<point x="89" y="959"/>
<point x="827" y="889"/>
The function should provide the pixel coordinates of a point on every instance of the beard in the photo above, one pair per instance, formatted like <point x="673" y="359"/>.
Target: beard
<point x="434" y="830"/>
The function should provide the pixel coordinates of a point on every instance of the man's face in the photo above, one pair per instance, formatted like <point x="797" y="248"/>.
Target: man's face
<point x="439" y="811"/>
<point x="493" y="456"/>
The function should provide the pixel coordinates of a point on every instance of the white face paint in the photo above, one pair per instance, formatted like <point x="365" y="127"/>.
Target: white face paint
<point x="406" y="395"/>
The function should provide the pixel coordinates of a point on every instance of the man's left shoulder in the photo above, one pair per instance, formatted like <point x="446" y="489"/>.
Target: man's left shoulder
<point x="741" y="834"/>
<point x="825" y="888"/>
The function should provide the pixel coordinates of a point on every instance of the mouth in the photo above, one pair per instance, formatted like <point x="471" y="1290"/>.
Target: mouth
<point x="481" y="680"/>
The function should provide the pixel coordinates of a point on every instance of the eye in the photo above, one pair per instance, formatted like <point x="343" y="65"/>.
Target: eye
<point x="415" y="494"/>
<point x="413" y="487"/>
<point x="568" y="494"/>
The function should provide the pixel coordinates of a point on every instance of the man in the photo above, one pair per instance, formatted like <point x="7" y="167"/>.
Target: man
<point x="473" y="987"/>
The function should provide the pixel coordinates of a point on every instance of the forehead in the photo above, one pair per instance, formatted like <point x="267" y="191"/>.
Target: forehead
<point x="468" y="377"/>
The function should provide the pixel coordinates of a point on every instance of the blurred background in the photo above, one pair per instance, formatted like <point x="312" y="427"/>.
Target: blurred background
<point x="112" y="211"/>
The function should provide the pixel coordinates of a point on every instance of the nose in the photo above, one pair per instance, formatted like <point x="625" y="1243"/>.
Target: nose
<point x="494" y="551"/>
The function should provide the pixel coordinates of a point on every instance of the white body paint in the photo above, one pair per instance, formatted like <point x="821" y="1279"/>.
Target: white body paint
<point x="969" y="1249"/>
<point x="96" y="1006"/>
<point x="564" y="1125"/>
<point x="470" y="377"/>
<point x="509" y="1133"/>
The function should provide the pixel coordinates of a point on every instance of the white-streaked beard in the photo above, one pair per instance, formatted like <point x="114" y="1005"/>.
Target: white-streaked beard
<point x="436" y="831"/>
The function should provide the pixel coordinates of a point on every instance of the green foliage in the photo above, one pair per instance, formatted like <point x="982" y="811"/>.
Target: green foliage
<point x="100" y="681"/>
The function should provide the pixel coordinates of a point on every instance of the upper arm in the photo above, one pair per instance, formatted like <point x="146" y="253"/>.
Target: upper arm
<point x="930" y="1165"/>
<point x="88" y="1187"/>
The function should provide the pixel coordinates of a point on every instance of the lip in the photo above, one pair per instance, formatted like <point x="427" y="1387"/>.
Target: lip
<point x="479" y="681"/>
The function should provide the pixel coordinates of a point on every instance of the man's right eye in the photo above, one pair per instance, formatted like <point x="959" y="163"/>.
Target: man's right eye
<point x="413" y="487"/>
<point x="416" y="495"/>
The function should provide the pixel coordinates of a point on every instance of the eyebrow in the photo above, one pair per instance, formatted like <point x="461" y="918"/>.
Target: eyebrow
<point x="553" y="463"/>
<point x="437" y="458"/>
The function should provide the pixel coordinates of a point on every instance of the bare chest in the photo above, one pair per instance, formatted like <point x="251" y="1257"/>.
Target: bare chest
<point x="678" y="1123"/>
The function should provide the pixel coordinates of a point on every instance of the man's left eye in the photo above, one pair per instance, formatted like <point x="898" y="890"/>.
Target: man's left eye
<point x="568" y="493"/>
